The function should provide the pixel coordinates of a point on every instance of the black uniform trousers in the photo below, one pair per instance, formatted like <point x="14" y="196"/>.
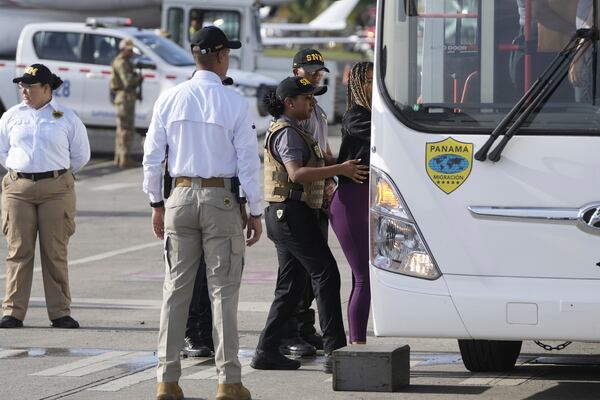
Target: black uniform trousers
<point x="199" y="323"/>
<point x="302" y="322"/>
<point x="301" y="249"/>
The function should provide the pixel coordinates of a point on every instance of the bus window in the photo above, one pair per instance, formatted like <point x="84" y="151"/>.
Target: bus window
<point x="175" y="24"/>
<point x="467" y="62"/>
<point x="227" y="20"/>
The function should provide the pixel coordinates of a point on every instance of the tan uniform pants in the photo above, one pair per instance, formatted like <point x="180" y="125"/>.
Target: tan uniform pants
<point x="201" y="220"/>
<point x="125" y="127"/>
<point x="45" y="207"/>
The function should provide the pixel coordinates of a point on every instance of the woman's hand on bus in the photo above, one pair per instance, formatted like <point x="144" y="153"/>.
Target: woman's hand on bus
<point x="354" y="170"/>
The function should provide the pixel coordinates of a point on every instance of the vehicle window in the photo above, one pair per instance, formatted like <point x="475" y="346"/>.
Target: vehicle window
<point x="63" y="46"/>
<point x="227" y="20"/>
<point x="100" y="49"/>
<point x="463" y="63"/>
<point x="175" y="24"/>
<point x="167" y="50"/>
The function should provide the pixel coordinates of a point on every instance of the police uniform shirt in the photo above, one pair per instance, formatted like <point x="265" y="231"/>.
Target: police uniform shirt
<point x="209" y="132"/>
<point x="39" y="140"/>
<point x="316" y="125"/>
<point x="288" y="145"/>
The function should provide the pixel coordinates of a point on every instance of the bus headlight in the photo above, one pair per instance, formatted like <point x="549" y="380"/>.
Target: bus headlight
<point x="395" y="241"/>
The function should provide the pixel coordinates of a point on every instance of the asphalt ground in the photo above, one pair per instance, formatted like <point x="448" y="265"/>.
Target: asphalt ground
<point x="116" y="274"/>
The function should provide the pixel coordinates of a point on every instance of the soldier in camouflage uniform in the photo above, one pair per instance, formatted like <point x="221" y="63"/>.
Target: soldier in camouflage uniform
<point x="124" y="83"/>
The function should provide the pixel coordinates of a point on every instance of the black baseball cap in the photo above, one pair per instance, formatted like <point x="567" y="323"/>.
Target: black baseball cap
<point x="295" y="85"/>
<point x="309" y="59"/>
<point x="35" y="73"/>
<point x="211" y="39"/>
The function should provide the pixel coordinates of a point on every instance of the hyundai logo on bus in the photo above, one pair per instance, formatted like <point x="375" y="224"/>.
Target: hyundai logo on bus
<point x="589" y="218"/>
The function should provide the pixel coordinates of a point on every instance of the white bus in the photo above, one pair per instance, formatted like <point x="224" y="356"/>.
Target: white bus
<point x="488" y="252"/>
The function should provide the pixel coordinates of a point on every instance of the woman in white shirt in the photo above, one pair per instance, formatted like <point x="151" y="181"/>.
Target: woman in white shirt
<point x="41" y="144"/>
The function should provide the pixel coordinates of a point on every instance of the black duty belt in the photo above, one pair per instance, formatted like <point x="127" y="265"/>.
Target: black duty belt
<point x="36" y="176"/>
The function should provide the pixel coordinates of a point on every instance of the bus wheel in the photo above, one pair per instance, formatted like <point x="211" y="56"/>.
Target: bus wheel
<point x="489" y="355"/>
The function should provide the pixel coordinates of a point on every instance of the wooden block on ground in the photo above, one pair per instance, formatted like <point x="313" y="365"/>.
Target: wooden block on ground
<point x="371" y="368"/>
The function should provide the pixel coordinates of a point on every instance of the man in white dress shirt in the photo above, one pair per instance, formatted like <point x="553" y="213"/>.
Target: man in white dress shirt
<point x="211" y="139"/>
<point x="41" y="144"/>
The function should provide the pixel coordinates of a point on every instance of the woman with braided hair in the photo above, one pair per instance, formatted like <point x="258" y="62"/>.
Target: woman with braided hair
<point x="349" y="210"/>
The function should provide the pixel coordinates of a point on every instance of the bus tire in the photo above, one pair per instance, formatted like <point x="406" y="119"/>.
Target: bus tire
<point x="489" y="355"/>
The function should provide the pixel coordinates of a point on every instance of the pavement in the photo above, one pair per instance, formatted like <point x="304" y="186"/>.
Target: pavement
<point x="116" y="274"/>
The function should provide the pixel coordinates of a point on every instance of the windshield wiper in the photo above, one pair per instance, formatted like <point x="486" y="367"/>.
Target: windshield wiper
<point x="538" y="94"/>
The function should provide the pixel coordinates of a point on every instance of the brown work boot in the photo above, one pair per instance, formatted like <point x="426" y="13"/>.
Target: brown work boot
<point x="168" y="391"/>
<point x="232" y="391"/>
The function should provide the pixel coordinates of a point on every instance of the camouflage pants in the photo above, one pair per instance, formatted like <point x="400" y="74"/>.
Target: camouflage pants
<point x="125" y="131"/>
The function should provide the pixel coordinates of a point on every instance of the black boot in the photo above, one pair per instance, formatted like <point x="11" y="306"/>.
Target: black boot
<point x="314" y="339"/>
<point x="66" y="322"/>
<point x="296" y="346"/>
<point x="195" y="347"/>
<point x="9" y="321"/>
<point x="273" y="360"/>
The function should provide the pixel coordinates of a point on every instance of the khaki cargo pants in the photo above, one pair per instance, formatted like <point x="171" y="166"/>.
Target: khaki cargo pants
<point x="45" y="207"/>
<point x="201" y="220"/>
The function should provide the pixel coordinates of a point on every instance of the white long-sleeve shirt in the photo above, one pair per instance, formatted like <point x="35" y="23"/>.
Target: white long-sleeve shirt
<point x="209" y="132"/>
<point x="47" y="139"/>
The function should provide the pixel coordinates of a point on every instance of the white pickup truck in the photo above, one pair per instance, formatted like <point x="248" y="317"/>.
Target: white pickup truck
<point x="81" y="54"/>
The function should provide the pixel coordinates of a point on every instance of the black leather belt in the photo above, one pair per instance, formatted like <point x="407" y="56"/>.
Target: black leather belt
<point x="36" y="176"/>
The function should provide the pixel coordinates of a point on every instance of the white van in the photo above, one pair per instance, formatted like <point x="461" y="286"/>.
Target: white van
<point x="81" y="54"/>
<point x="489" y="250"/>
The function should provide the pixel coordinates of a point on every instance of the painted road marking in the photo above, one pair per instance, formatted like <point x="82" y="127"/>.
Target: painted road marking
<point x="138" y="377"/>
<point x="107" y="254"/>
<point x="113" y="186"/>
<point x="211" y="372"/>
<point x="11" y="353"/>
<point x="101" y="366"/>
<point x="142" y="304"/>
<point x="62" y="369"/>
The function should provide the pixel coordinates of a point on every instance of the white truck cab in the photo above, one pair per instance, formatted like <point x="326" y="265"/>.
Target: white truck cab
<point x="82" y="53"/>
<point x="240" y="20"/>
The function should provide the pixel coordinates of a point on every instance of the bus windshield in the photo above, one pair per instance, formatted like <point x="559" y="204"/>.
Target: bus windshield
<point x="166" y="49"/>
<point x="465" y="63"/>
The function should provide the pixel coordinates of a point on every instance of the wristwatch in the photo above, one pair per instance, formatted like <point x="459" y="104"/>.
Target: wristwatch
<point x="158" y="204"/>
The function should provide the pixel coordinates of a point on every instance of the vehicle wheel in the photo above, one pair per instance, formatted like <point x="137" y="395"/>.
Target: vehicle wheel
<point x="489" y="355"/>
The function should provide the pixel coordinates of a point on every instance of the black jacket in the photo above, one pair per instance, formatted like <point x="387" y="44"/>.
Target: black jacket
<point x="356" y="137"/>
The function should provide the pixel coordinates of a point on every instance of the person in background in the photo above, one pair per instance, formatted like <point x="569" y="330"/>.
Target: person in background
<point x="301" y="337"/>
<point x="198" y="329"/>
<point x="349" y="210"/>
<point x="581" y="69"/>
<point x="195" y="26"/>
<point x="41" y="144"/>
<point x="124" y="83"/>
<point x="295" y="174"/>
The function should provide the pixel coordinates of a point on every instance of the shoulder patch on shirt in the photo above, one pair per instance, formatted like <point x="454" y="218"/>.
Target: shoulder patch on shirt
<point x="57" y="114"/>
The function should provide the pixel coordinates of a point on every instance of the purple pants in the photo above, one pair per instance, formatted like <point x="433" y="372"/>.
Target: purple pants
<point x="349" y="216"/>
